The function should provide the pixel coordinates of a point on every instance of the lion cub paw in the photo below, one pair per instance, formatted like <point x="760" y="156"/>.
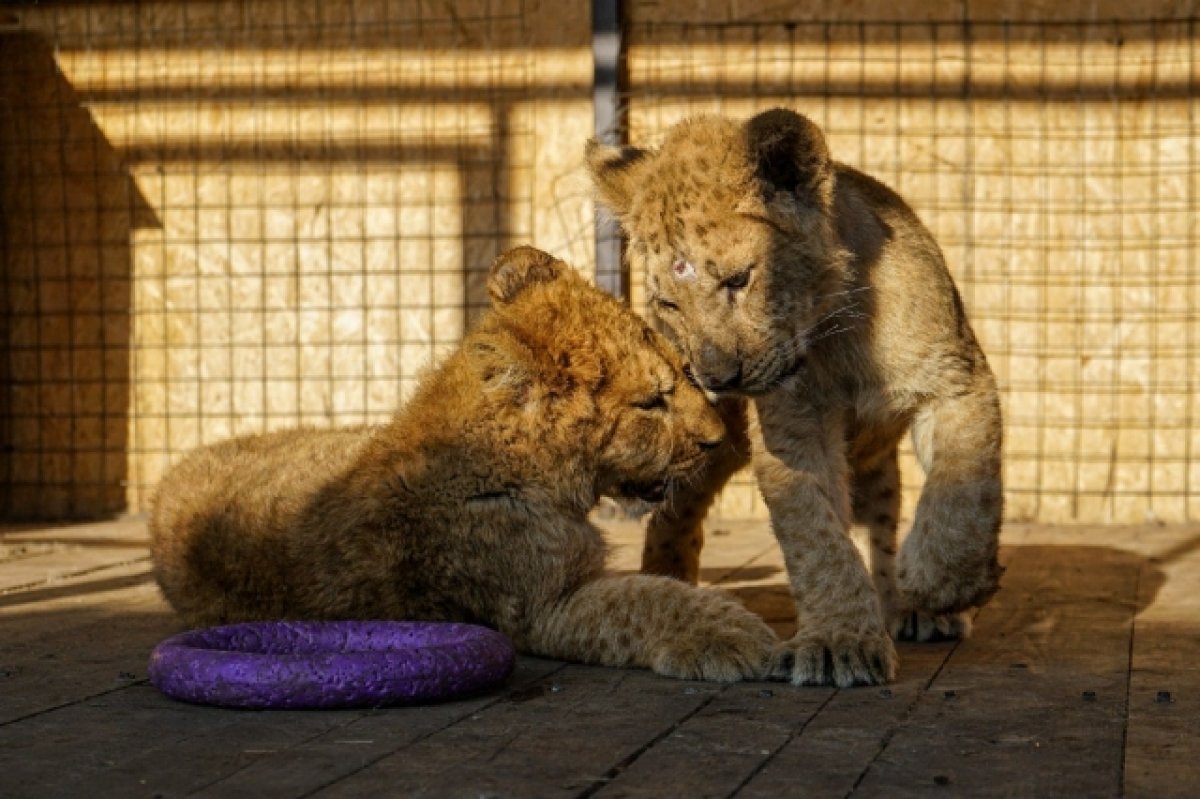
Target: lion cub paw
<point x="737" y="646"/>
<point x="915" y="625"/>
<point x="945" y="588"/>
<point x="841" y="659"/>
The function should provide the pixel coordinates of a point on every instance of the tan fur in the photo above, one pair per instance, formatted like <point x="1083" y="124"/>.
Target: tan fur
<point x="472" y="503"/>
<point x="814" y="300"/>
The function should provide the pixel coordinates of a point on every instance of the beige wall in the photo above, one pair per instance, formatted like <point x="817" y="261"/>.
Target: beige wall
<point x="1054" y="158"/>
<point x="230" y="217"/>
<point x="286" y="210"/>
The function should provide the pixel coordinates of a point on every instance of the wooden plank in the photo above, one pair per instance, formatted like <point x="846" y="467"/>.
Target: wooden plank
<point x="84" y="637"/>
<point x="827" y="754"/>
<point x="740" y="553"/>
<point x="1018" y="721"/>
<point x="716" y="751"/>
<point x="130" y="530"/>
<point x="214" y="743"/>
<point x="63" y="563"/>
<point x="68" y="675"/>
<point x="730" y="743"/>
<point x="888" y="13"/>
<point x="760" y="748"/>
<point x="570" y="736"/>
<point x="345" y="749"/>
<point x="89" y="628"/>
<point x="39" y="754"/>
<point x="96" y="588"/>
<point x="1034" y="703"/>
<point x="730" y="547"/>
<point x="31" y="556"/>
<point x="103" y="591"/>
<point x="1164" y="728"/>
<point x="623" y="536"/>
<point x="834" y="748"/>
<point x="760" y="583"/>
<point x="214" y="752"/>
<point x="19" y="550"/>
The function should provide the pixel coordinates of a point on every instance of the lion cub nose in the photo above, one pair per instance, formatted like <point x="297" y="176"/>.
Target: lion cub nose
<point x="717" y="369"/>
<point x="718" y="385"/>
<point x="719" y="378"/>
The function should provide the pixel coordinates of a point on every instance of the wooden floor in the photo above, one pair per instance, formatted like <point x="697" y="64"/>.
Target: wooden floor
<point x="1080" y="681"/>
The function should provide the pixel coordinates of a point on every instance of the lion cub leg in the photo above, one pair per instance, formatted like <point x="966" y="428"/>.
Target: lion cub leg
<point x="949" y="561"/>
<point x="658" y="623"/>
<point x="802" y="471"/>
<point x="675" y="532"/>
<point x="876" y="495"/>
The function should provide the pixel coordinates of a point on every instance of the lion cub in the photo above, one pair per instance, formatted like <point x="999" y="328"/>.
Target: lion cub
<point x="814" y="300"/>
<point x="471" y="505"/>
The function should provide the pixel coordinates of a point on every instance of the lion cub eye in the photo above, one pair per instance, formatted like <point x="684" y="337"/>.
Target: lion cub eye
<point x="738" y="281"/>
<point x="664" y="304"/>
<point x="658" y="402"/>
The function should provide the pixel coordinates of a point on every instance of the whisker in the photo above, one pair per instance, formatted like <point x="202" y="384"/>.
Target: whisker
<point x="838" y="319"/>
<point x="831" y="332"/>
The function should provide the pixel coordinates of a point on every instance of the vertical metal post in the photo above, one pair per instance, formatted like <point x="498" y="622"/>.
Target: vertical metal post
<point x="606" y="99"/>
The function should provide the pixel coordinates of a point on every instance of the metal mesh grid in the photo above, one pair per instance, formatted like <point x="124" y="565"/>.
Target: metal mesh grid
<point x="230" y="218"/>
<point x="1056" y="164"/>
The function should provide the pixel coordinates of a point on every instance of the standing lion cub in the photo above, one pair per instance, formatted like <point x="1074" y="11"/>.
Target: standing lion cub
<point x="814" y="291"/>
<point x="471" y="505"/>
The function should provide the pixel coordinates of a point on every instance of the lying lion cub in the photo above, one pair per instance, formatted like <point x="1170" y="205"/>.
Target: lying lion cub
<point x="471" y="505"/>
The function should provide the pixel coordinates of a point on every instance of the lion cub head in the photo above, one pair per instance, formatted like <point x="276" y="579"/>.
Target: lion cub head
<point x="589" y="379"/>
<point x="732" y="224"/>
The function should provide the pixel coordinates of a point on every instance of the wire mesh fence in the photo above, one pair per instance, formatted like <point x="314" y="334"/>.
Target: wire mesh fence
<point x="1055" y="161"/>
<point x="225" y="218"/>
<point x="221" y="218"/>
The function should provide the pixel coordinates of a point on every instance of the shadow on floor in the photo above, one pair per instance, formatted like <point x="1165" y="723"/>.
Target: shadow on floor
<point x="1056" y="587"/>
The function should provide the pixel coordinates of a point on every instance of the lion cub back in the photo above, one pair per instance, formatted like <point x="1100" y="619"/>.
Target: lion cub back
<point x="480" y="485"/>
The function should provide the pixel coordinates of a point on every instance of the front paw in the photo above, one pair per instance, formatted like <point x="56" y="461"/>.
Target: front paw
<point x="916" y="625"/>
<point x="945" y="585"/>
<point x="738" y="647"/>
<point x="839" y="658"/>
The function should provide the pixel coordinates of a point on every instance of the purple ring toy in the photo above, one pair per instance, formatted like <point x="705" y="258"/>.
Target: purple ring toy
<point x="327" y="664"/>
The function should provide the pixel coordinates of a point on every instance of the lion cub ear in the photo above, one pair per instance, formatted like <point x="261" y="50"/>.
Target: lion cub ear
<point x="789" y="154"/>
<point x="502" y="364"/>
<point x="616" y="171"/>
<point x="517" y="269"/>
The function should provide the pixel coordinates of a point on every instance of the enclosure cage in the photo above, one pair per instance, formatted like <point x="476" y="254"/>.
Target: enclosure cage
<point x="229" y="217"/>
